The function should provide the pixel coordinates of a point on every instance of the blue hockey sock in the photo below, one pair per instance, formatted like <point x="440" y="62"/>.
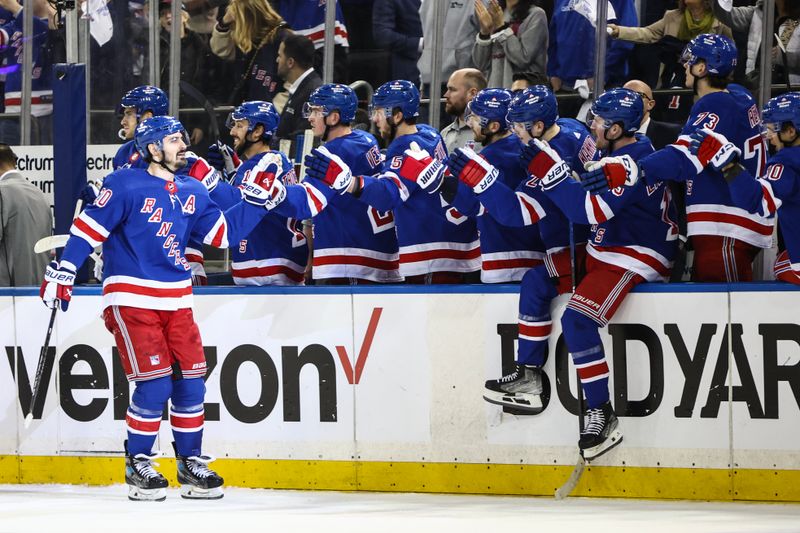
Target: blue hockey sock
<point x="582" y="336"/>
<point x="143" y="418"/>
<point x="536" y="292"/>
<point x="186" y="416"/>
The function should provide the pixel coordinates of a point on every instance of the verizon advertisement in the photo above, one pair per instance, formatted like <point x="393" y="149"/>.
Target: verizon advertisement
<point x="698" y="380"/>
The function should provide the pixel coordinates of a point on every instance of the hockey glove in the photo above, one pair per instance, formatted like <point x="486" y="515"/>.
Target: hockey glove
<point x="472" y="169"/>
<point x="419" y="167"/>
<point x="327" y="167"/>
<point x="223" y="158"/>
<point x="713" y="149"/>
<point x="57" y="285"/>
<point x="262" y="186"/>
<point x="610" y="173"/>
<point x="205" y="174"/>
<point x="89" y="193"/>
<point x="544" y="163"/>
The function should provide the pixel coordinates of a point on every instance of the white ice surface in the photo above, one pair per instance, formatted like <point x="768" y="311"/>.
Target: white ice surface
<point x="67" y="508"/>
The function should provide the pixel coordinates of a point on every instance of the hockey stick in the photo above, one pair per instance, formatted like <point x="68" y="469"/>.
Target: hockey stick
<point x="566" y="489"/>
<point x="308" y="145"/>
<point x="40" y="367"/>
<point x="50" y="243"/>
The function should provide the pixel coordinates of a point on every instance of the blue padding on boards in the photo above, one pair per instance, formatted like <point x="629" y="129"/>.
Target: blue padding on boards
<point x="69" y="144"/>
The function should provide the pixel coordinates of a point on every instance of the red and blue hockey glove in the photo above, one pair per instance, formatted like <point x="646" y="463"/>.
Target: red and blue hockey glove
<point x="262" y="186"/>
<point x="544" y="163"/>
<point x="419" y="167"/>
<point x="472" y="169"/>
<point x="713" y="149"/>
<point x="57" y="285"/>
<point x="327" y="167"/>
<point x="204" y="173"/>
<point x="223" y="158"/>
<point x="610" y="173"/>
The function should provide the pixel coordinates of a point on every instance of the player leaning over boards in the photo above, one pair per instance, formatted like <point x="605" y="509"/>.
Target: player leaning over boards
<point x="533" y="114"/>
<point x="142" y="218"/>
<point x="725" y="237"/>
<point x="275" y="252"/>
<point x="778" y="192"/>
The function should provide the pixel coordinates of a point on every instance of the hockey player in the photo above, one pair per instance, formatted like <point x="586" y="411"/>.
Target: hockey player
<point x="275" y="253"/>
<point x="725" y="238"/>
<point x="506" y="252"/>
<point x="437" y="243"/>
<point x="777" y="192"/>
<point x="533" y="114"/>
<point x="353" y="243"/>
<point x="632" y="240"/>
<point x="142" y="218"/>
<point x="138" y="104"/>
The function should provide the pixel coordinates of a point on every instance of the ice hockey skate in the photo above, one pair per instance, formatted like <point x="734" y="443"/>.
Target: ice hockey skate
<point x="198" y="482"/>
<point x="145" y="483"/>
<point x="521" y="390"/>
<point x="601" y="432"/>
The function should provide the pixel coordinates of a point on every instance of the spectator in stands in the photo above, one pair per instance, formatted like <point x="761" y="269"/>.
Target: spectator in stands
<point x="660" y="133"/>
<point x="24" y="219"/>
<point x="296" y="66"/>
<point x="673" y="31"/>
<point x="462" y="87"/>
<point x="570" y="55"/>
<point x="396" y="26"/>
<point x="42" y="90"/>
<point x="788" y="31"/>
<point x="307" y="17"/>
<point x="194" y="65"/>
<point x="249" y="34"/>
<point x="511" y="40"/>
<point x="523" y="80"/>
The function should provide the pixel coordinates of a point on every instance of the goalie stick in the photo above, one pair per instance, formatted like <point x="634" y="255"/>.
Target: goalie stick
<point x="40" y="367"/>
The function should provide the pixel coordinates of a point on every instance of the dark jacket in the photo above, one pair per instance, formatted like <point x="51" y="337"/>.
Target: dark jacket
<point x="662" y="133"/>
<point x="396" y="26"/>
<point x="292" y="122"/>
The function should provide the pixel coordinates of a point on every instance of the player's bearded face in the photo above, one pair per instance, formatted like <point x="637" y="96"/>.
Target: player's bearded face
<point x="381" y="120"/>
<point x="174" y="151"/>
<point x="239" y="134"/>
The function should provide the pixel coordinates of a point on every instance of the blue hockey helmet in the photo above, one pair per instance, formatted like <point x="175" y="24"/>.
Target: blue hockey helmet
<point x="145" y="98"/>
<point x="333" y="97"/>
<point x="396" y="94"/>
<point x="154" y="129"/>
<point x="534" y="104"/>
<point x="256" y="112"/>
<point x="489" y="105"/>
<point x="718" y="52"/>
<point x="781" y="110"/>
<point x="619" y="106"/>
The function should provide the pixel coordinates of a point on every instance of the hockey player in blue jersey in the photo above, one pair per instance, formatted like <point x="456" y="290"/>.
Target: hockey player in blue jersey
<point x="532" y="114"/>
<point x="778" y="191"/>
<point x="142" y="218"/>
<point x="437" y="243"/>
<point x="275" y="252"/>
<point x="138" y="104"/>
<point x="725" y="237"/>
<point x="353" y="243"/>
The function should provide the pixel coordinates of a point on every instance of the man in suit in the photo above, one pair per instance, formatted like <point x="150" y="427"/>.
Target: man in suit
<point x="397" y="27"/>
<point x="296" y="66"/>
<point x="660" y="133"/>
<point x="24" y="219"/>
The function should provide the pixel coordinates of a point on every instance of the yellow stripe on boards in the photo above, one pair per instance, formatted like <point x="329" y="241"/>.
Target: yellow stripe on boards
<point x="530" y="480"/>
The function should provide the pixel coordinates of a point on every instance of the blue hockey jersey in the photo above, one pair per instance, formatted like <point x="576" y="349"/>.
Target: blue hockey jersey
<point x="128" y="157"/>
<point x="530" y="205"/>
<point x="307" y="17"/>
<point x="433" y="236"/>
<point x="632" y="227"/>
<point x="276" y="251"/>
<point x="709" y="207"/>
<point x="142" y="222"/>
<point x="351" y="239"/>
<point x="42" y="75"/>
<point x="506" y="252"/>
<point x="777" y="192"/>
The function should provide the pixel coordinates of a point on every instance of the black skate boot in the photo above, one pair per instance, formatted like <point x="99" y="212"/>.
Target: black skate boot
<point x="600" y="433"/>
<point x="521" y="390"/>
<point x="198" y="482"/>
<point x="144" y="482"/>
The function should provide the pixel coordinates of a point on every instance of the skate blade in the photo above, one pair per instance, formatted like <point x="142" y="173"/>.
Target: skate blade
<point x="527" y="403"/>
<point x="146" y="495"/>
<point x="613" y="440"/>
<point x="196" y="493"/>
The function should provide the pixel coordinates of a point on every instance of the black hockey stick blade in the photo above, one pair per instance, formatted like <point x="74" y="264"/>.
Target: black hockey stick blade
<point x="40" y="367"/>
<point x="566" y="489"/>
